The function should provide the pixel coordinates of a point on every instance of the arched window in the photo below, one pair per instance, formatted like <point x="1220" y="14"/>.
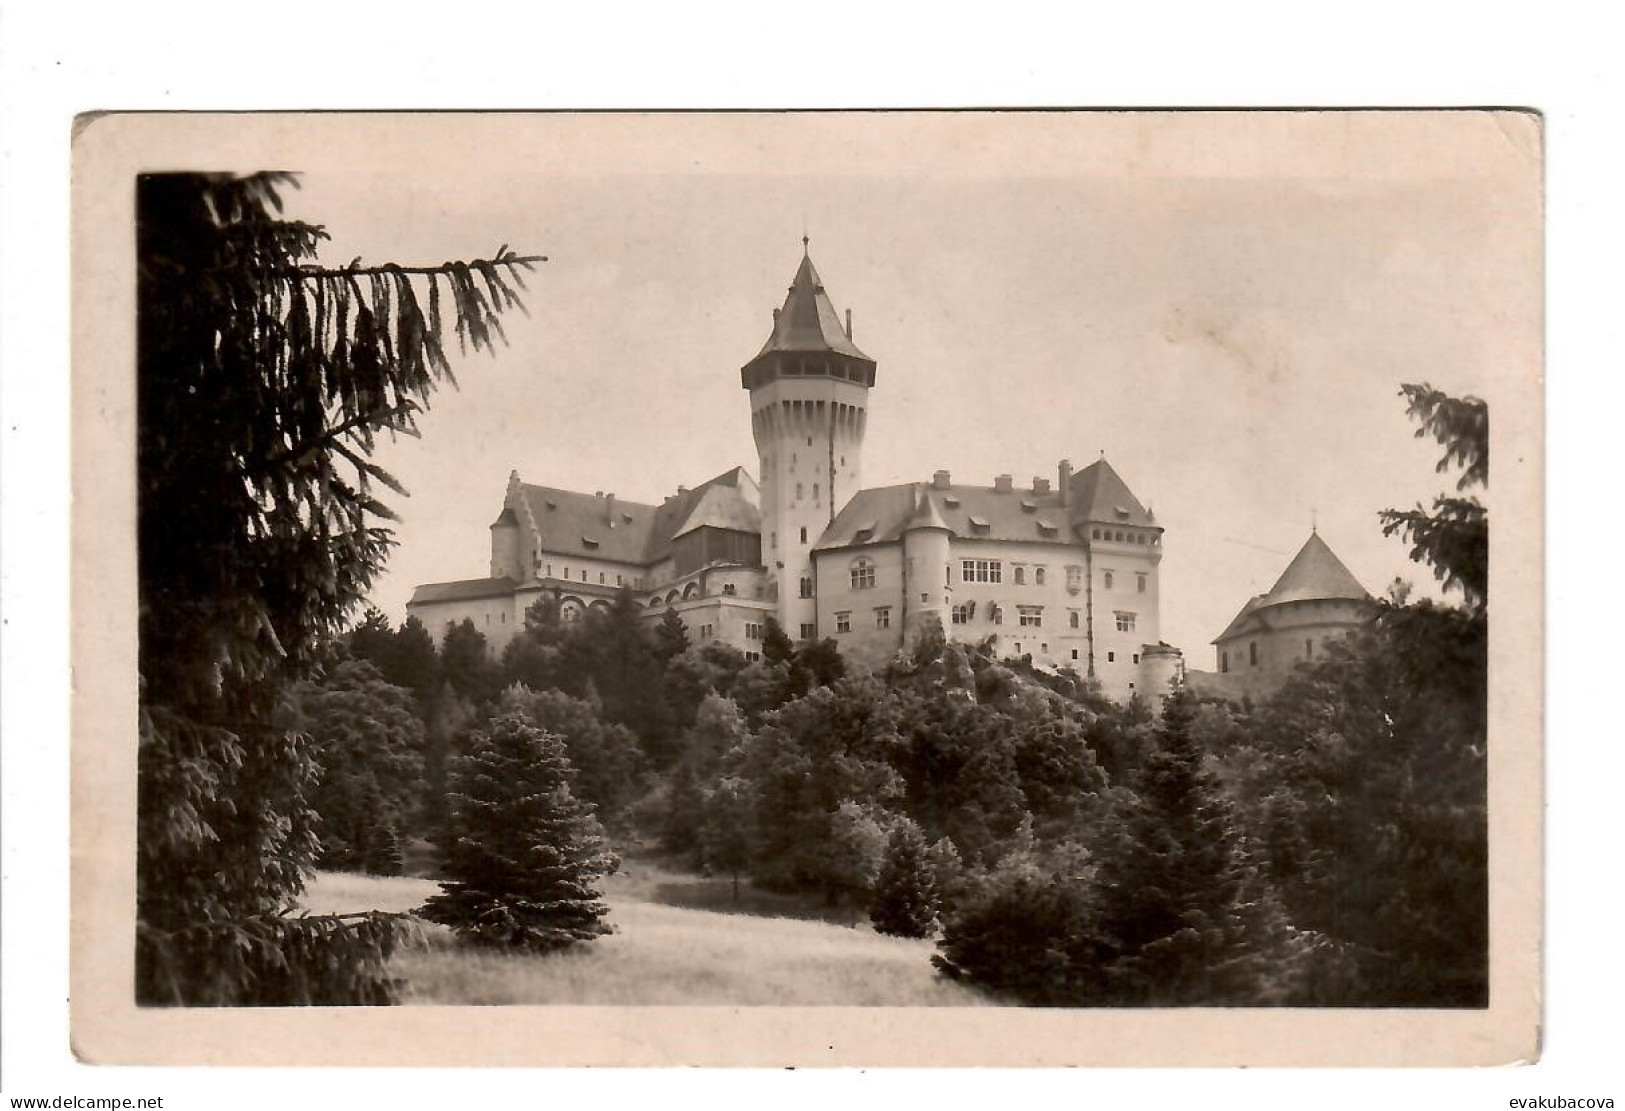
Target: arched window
<point x="1038" y="576"/>
<point x="863" y="573"/>
<point x="569" y="610"/>
<point x="1072" y="619"/>
<point x="1021" y="576"/>
<point x="804" y="529"/>
<point x="730" y="589"/>
<point x="692" y="590"/>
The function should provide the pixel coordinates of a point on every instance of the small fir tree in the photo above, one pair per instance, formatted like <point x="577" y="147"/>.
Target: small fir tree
<point x="526" y="855"/>
<point x="905" y="901"/>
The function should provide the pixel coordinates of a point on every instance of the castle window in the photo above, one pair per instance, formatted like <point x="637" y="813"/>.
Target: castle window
<point x="1252" y="653"/>
<point x="1074" y="653"/>
<point x="843" y="621"/>
<point x="1224" y="661"/>
<point x="1308" y="649"/>
<point x="730" y="589"/>
<point x="883" y="617"/>
<point x="981" y="571"/>
<point x="1136" y="657"/>
<point x="1031" y="616"/>
<point x="600" y="578"/>
<point x="1111" y="657"/>
<point x="1038" y="576"/>
<point x="806" y="586"/>
<point x="1106" y="579"/>
<point x="800" y="490"/>
<point x="1125" y="622"/>
<point x="804" y="529"/>
<point x="1020" y="576"/>
<point x="1072" y="619"/>
<point x="619" y="581"/>
<point x="806" y="631"/>
<point x="1140" y="580"/>
<point x="815" y="498"/>
<point x="809" y="441"/>
<point x="995" y="614"/>
<point x="583" y="575"/>
<point x="863" y="574"/>
<point x="964" y="612"/>
<point x="1097" y="534"/>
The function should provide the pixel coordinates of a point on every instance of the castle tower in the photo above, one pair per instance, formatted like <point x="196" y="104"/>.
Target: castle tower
<point x="809" y="389"/>
<point x="926" y="556"/>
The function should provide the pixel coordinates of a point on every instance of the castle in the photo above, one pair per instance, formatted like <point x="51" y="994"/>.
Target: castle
<point x="1065" y="572"/>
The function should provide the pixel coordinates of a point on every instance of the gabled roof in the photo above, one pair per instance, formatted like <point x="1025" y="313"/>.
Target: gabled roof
<point x="632" y="532"/>
<point x="462" y="590"/>
<point x="1100" y="494"/>
<point x="1315" y="572"/>
<point x="729" y="501"/>
<point x="808" y="321"/>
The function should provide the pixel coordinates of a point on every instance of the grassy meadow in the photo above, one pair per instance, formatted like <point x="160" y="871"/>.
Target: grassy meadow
<point x="680" y="939"/>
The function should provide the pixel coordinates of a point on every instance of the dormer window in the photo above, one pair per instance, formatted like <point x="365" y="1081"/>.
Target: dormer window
<point x="590" y="541"/>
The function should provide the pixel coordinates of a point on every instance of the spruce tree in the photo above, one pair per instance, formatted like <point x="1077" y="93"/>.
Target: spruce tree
<point x="1181" y="913"/>
<point x="264" y="382"/>
<point x="526" y="855"/>
<point x="906" y="900"/>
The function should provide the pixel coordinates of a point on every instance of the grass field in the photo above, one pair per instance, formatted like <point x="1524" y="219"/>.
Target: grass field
<point x="679" y="939"/>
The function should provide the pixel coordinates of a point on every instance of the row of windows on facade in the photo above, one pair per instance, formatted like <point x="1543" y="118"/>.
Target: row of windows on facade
<point x="843" y="620"/>
<point x="1252" y="654"/>
<point x="1121" y="536"/>
<point x="965" y="613"/>
<point x="636" y="583"/>
<point x="862" y="573"/>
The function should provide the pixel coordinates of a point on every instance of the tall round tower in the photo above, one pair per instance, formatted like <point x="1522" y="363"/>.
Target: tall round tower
<point x="809" y="388"/>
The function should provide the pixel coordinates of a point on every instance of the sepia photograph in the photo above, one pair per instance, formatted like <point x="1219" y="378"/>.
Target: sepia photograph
<point x="912" y="566"/>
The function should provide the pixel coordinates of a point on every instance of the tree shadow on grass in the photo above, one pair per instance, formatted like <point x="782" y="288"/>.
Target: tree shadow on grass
<point x="716" y="895"/>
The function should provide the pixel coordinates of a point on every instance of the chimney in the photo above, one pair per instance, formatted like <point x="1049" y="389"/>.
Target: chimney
<point x="1003" y="484"/>
<point x="609" y="508"/>
<point x="775" y="320"/>
<point x="1040" y="485"/>
<point x="940" y="480"/>
<point x="1064" y="477"/>
<point x="848" y="323"/>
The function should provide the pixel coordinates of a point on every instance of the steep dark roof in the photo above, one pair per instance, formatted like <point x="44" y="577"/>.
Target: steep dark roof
<point x="1100" y="494"/>
<point x="632" y="532"/>
<point x="808" y="321"/>
<point x="463" y="590"/>
<point x="882" y="514"/>
<point x="1315" y="574"/>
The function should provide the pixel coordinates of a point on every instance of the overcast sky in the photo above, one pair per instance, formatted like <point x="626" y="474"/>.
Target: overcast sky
<point x="1224" y="304"/>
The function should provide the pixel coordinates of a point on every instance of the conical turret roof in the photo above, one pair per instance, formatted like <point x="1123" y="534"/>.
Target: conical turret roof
<point x="808" y="321"/>
<point x="1314" y="573"/>
<point x="925" y="514"/>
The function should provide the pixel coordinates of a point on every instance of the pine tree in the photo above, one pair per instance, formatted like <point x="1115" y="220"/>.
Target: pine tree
<point x="906" y="900"/>
<point x="263" y="383"/>
<point x="1181" y="911"/>
<point x="671" y="636"/>
<point x="527" y="855"/>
